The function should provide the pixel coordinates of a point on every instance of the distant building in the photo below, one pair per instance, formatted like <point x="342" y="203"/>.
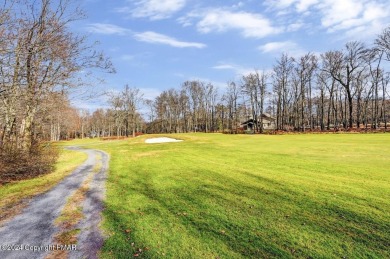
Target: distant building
<point x="268" y="123"/>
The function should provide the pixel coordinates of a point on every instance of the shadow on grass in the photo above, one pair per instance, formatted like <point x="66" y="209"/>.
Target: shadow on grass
<point x="251" y="221"/>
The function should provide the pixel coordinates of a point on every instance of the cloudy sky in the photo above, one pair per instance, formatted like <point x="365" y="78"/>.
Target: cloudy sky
<point x="158" y="44"/>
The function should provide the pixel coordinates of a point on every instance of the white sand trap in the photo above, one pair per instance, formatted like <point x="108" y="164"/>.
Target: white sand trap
<point x="161" y="140"/>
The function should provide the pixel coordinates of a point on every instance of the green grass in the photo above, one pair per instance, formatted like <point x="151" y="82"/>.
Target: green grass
<point x="14" y="193"/>
<point x="235" y="196"/>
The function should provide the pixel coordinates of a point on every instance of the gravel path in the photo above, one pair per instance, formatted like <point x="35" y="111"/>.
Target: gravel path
<point x="34" y="228"/>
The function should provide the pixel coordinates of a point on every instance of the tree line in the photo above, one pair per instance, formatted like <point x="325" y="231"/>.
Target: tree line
<point x="336" y="90"/>
<point x="41" y="60"/>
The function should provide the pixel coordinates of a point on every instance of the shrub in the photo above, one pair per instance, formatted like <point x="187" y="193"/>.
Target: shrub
<point x="18" y="165"/>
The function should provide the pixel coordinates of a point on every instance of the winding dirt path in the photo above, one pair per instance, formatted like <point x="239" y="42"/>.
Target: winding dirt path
<point x="31" y="234"/>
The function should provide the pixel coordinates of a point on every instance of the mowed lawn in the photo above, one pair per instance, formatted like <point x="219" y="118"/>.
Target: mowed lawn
<point x="258" y="196"/>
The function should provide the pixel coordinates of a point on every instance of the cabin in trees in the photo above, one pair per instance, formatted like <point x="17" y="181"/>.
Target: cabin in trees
<point x="268" y="123"/>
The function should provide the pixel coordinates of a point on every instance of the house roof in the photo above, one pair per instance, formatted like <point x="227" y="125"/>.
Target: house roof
<point x="266" y="119"/>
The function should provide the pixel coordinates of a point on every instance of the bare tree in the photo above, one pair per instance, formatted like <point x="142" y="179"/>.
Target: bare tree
<point x="249" y="89"/>
<point x="125" y="105"/>
<point x="345" y="67"/>
<point x="383" y="42"/>
<point x="304" y="70"/>
<point x="210" y="96"/>
<point x="231" y="97"/>
<point x="40" y="54"/>
<point x="281" y="81"/>
<point x="261" y="85"/>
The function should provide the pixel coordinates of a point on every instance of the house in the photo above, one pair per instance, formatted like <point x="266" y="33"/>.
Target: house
<point x="268" y="123"/>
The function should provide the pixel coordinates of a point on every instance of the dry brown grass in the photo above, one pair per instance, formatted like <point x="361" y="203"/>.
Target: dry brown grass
<point x="16" y="165"/>
<point x="11" y="210"/>
<point x="16" y="195"/>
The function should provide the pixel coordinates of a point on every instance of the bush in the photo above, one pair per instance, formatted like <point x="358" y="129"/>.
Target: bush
<point x="18" y="165"/>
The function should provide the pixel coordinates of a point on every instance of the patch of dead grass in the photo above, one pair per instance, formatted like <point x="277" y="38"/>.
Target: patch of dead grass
<point x="16" y="195"/>
<point x="12" y="210"/>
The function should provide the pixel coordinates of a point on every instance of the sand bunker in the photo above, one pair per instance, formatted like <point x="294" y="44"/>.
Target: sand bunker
<point x="161" y="140"/>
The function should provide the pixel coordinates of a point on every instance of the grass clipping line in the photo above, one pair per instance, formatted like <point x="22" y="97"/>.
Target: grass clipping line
<point x="71" y="215"/>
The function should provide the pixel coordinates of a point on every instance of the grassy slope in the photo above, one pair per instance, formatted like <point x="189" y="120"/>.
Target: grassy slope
<point x="249" y="196"/>
<point x="14" y="193"/>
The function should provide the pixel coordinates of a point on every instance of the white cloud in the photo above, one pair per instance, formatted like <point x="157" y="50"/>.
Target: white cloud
<point x="281" y="4"/>
<point x="148" y="36"/>
<point x="106" y="28"/>
<point x="153" y="37"/>
<point x="187" y="20"/>
<point x="154" y="9"/>
<point x="373" y="12"/>
<point x="299" y="5"/>
<point x="294" y="26"/>
<point x="238" y="5"/>
<point x="358" y="19"/>
<point x="238" y="70"/>
<point x="289" y="47"/>
<point x="224" y="66"/>
<point x="277" y="46"/>
<point x="304" y="5"/>
<point x="349" y="16"/>
<point x="336" y="12"/>
<point x="250" y="25"/>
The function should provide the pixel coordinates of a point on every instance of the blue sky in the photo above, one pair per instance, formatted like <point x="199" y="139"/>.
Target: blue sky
<point x="158" y="44"/>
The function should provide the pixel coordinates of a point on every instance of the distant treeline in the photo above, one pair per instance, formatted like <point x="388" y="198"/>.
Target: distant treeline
<point x="41" y="59"/>
<point x="344" y="89"/>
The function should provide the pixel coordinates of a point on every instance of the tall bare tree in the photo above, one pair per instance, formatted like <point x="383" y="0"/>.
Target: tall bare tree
<point x="261" y="79"/>
<point x="304" y="69"/>
<point x="231" y="97"/>
<point x="41" y="54"/>
<point x="281" y="83"/>
<point x="345" y="67"/>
